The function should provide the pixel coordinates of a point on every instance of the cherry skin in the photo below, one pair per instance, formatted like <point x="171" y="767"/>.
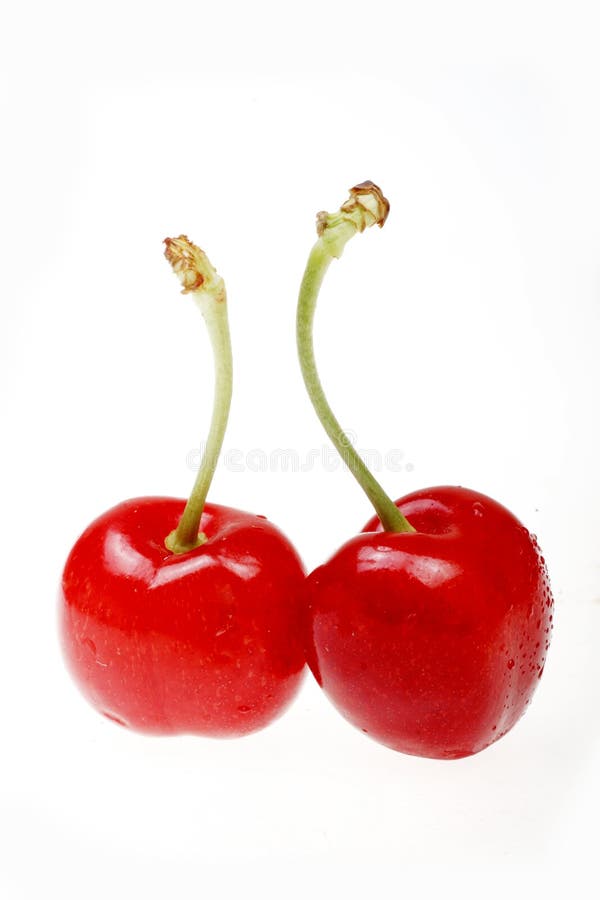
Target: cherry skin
<point x="206" y="642"/>
<point x="433" y="641"/>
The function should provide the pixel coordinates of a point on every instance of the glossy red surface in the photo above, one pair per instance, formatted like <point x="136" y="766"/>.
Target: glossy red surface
<point x="207" y="642"/>
<point x="433" y="642"/>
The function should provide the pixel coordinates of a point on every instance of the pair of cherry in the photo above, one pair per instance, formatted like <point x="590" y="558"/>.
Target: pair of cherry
<point x="428" y="630"/>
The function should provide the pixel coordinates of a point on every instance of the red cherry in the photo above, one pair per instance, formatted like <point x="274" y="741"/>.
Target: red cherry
<point x="433" y="642"/>
<point x="185" y="617"/>
<point x="205" y="642"/>
<point x="428" y="631"/>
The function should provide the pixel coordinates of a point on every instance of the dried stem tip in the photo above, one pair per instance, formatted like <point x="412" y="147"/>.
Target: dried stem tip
<point x="365" y="206"/>
<point x="192" y="267"/>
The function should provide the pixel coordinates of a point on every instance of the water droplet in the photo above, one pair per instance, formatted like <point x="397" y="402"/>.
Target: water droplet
<point x="478" y="509"/>
<point x="510" y="664"/>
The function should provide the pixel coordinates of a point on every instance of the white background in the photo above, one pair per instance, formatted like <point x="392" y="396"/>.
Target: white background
<point x="464" y="334"/>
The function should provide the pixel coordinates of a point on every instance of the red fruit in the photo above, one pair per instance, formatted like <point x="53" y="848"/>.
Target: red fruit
<point x="433" y="641"/>
<point x="429" y="630"/>
<point x="205" y="642"/>
<point x="185" y="617"/>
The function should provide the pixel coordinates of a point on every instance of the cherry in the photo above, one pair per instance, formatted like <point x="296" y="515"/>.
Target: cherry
<point x="206" y="642"/>
<point x="429" y="630"/>
<point x="433" y="641"/>
<point x="198" y="632"/>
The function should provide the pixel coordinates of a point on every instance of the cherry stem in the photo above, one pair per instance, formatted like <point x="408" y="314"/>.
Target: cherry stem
<point x="207" y="288"/>
<point x="366" y="206"/>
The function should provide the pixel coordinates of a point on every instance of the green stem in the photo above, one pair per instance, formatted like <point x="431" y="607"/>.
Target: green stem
<point x="208" y="290"/>
<point x="366" y="206"/>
